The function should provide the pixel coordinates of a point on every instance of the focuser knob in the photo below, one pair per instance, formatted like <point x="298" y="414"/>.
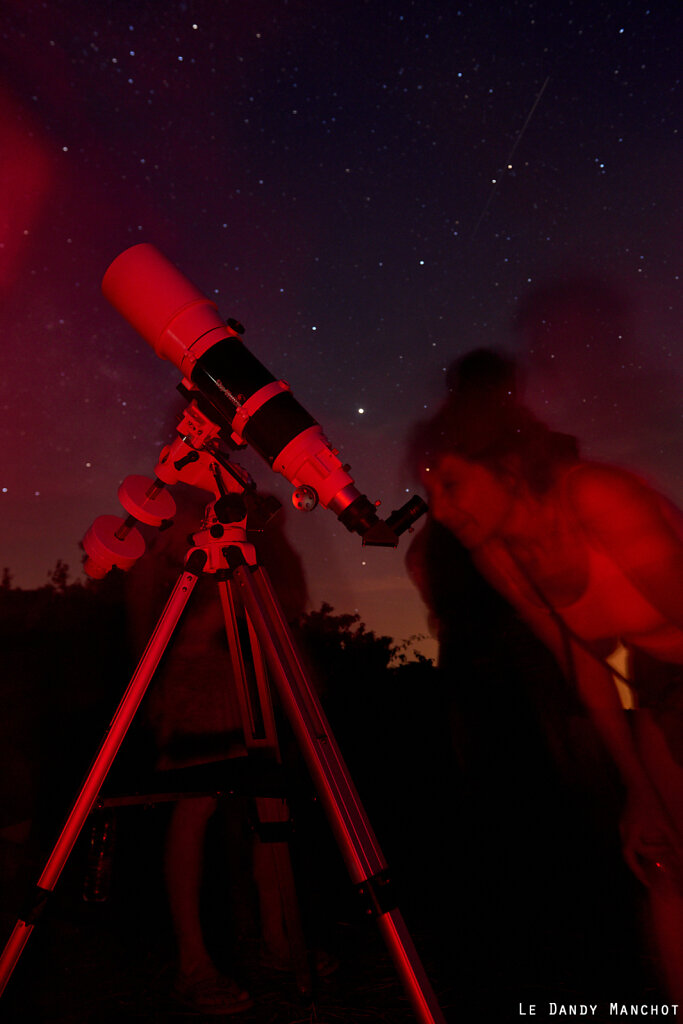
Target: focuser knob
<point x="304" y="498"/>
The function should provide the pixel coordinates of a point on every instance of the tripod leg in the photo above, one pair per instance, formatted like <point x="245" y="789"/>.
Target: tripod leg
<point x="280" y="916"/>
<point x="98" y="771"/>
<point x="250" y="675"/>
<point x="348" y="819"/>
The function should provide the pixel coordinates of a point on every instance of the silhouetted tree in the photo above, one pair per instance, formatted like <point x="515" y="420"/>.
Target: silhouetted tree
<point x="59" y="576"/>
<point x="385" y="705"/>
<point x="341" y="648"/>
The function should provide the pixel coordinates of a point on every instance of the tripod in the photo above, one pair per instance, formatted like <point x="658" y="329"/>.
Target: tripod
<point x="221" y="548"/>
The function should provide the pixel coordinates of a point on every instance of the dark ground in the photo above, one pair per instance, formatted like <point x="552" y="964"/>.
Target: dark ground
<point x="114" y="961"/>
<point x="507" y="869"/>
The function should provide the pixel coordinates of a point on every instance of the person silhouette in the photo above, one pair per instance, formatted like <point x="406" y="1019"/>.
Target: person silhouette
<point x="192" y="709"/>
<point x="590" y="555"/>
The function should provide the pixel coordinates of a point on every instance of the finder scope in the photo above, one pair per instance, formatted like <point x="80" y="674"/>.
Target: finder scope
<point x="184" y="326"/>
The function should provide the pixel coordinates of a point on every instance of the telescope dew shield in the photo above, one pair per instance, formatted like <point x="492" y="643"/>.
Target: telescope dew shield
<point x="183" y="326"/>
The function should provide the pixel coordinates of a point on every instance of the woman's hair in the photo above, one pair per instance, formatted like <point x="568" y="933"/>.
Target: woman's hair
<point x="482" y="421"/>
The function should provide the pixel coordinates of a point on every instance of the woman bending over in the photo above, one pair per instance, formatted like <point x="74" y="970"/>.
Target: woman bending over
<point x="592" y="558"/>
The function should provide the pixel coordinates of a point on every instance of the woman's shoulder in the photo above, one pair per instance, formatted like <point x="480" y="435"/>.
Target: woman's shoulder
<point x="608" y="500"/>
<point x="600" y="488"/>
<point x="586" y="480"/>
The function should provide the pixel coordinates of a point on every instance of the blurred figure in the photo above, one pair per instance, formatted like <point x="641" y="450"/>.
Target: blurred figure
<point x="591" y="558"/>
<point x="194" y="714"/>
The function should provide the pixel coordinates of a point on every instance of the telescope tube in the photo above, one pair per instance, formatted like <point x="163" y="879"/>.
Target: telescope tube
<point x="184" y="326"/>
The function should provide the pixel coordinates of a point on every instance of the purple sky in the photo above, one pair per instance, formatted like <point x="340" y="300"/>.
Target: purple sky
<point x="372" y="188"/>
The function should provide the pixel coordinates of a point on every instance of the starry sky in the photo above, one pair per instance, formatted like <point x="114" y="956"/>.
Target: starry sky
<point x="373" y="188"/>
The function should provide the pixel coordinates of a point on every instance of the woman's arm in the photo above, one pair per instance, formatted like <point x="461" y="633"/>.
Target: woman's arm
<point x="645" y="825"/>
<point x="592" y="677"/>
<point x="646" y="828"/>
<point x="598" y="692"/>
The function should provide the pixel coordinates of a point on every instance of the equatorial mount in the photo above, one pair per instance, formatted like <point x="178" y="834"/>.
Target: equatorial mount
<point x="199" y="457"/>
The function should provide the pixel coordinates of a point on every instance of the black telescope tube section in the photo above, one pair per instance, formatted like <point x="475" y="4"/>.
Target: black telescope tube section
<point x="275" y="424"/>
<point x="231" y="364"/>
<point x="227" y="375"/>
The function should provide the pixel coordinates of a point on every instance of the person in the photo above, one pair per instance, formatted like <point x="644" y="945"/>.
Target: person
<point x="192" y="710"/>
<point x="590" y="556"/>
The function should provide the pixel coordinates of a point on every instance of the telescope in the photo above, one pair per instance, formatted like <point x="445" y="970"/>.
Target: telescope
<point x="236" y="400"/>
<point x="250" y="404"/>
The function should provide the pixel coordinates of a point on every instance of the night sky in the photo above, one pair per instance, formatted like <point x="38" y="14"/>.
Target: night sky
<point x="372" y="188"/>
